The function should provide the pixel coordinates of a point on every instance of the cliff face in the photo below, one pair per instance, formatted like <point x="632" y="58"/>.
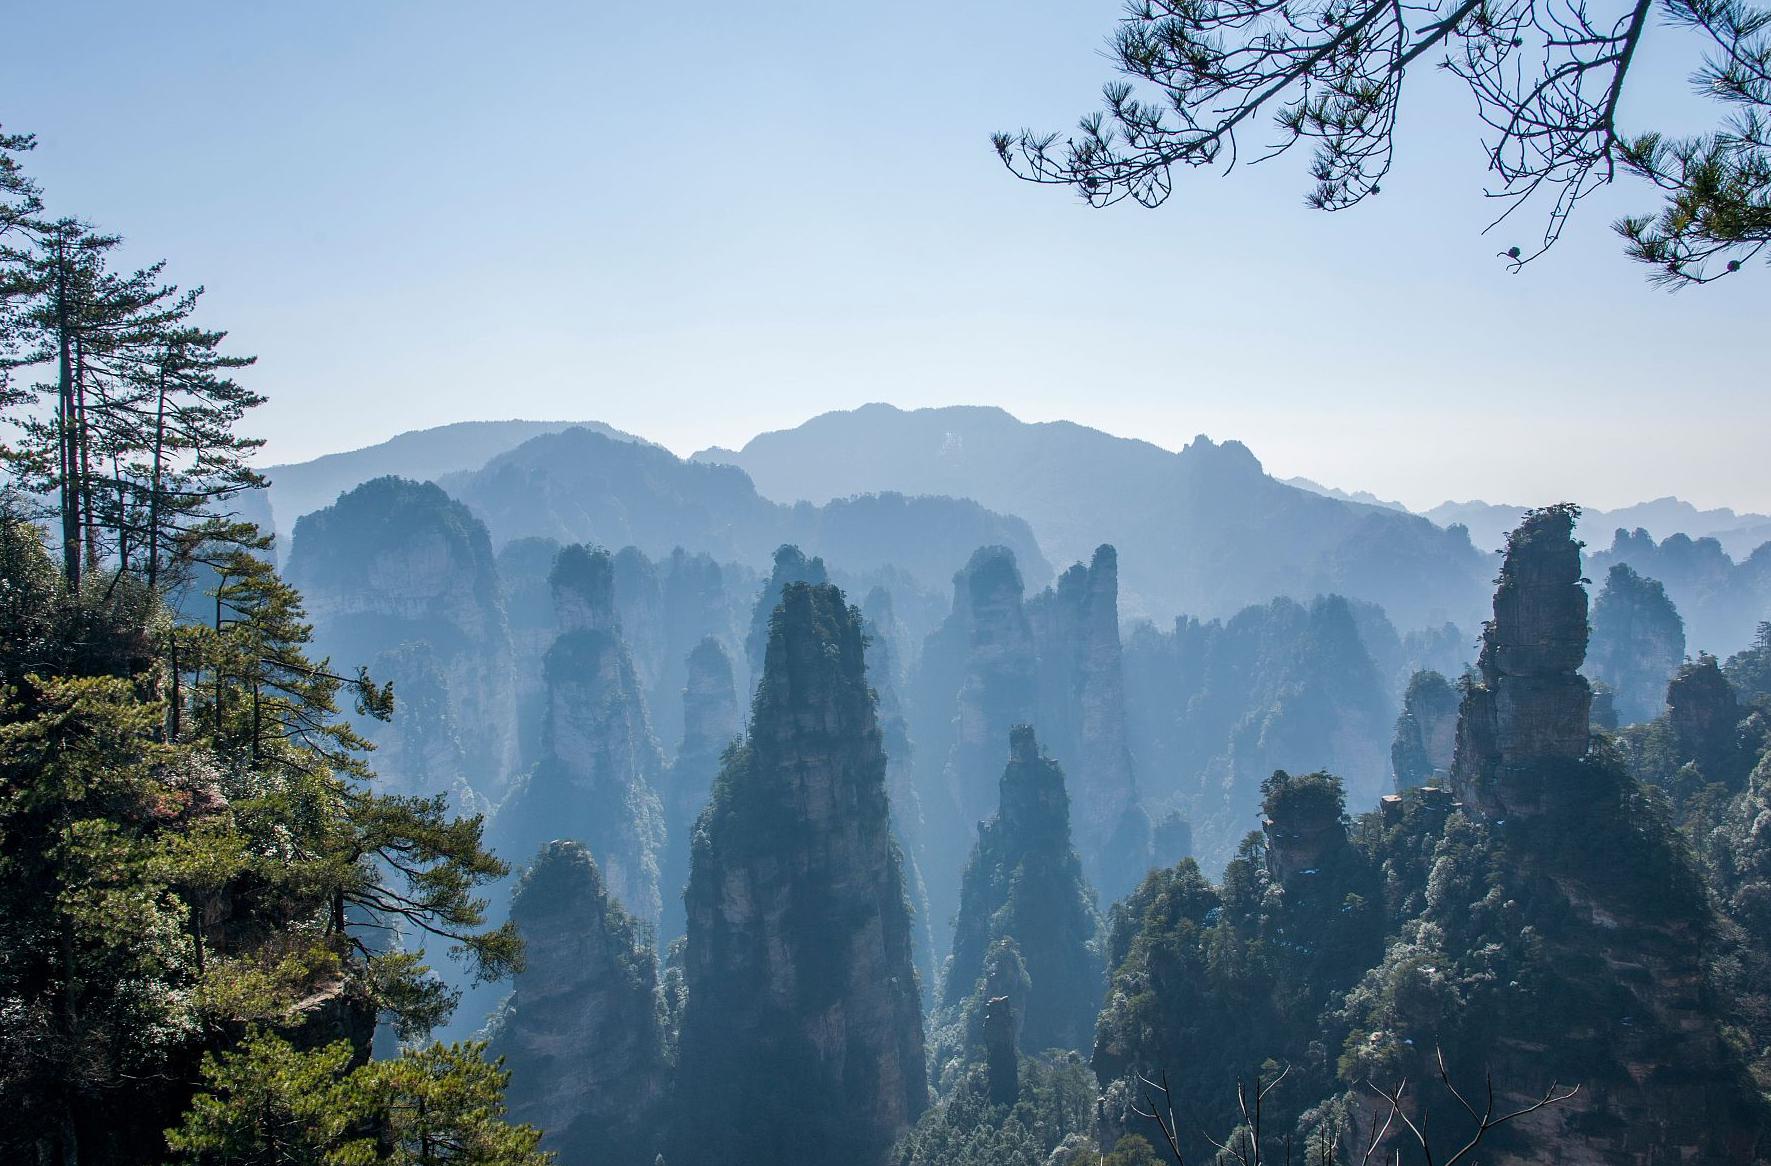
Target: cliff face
<point x="523" y="568"/>
<point x="879" y="624"/>
<point x="790" y="566"/>
<point x="1082" y="714"/>
<point x="801" y="1039"/>
<point x="1426" y="732"/>
<point x="1638" y="642"/>
<point x="597" y="779"/>
<point x="1215" y="707"/>
<point x="1620" y="920"/>
<point x="582" y="1037"/>
<point x="1531" y="709"/>
<point x="980" y="678"/>
<point x="1703" y="713"/>
<point x="394" y="563"/>
<point x="710" y="724"/>
<point x="1024" y="883"/>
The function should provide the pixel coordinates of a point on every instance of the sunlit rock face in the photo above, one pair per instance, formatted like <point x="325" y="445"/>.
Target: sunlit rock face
<point x="597" y="778"/>
<point x="582" y="1036"/>
<point x="801" y="1040"/>
<point x="398" y="574"/>
<point x="1024" y="883"/>
<point x="1082" y="715"/>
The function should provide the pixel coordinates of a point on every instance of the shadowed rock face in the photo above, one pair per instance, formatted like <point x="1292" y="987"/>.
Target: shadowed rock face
<point x="600" y="766"/>
<point x="710" y="724"/>
<point x="791" y="566"/>
<point x="1024" y="883"/>
<point x="1704" y="713"/>
<point x="1082" y="714"/>
<point x="1532" y="705"/>
<point x="396" y="563"/>
<point x="582" y="1037"/>
<point x="1426" y="732"/>
<point x="1621" y="918"/>
<point x="802" y="1037"/>
<point x="1638" y="642"/>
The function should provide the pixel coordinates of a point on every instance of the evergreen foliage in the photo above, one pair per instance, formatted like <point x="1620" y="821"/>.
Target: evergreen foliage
<point x="1638" y="642"/>
<point x="1024" y="882"/>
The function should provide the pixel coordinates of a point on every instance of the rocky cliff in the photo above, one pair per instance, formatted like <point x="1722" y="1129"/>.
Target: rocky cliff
<point x="979" y="678"/>
<point x="790" y="566"/>
<point x="1637" y="643"/>
<point x="1215" y="707"/>
<point x="1082" y="717"/>
<point x="597" y="779"/>
<point x="710" y="725"/>
<point x="1426" y="732"/>
<point x="582" y="1036"/>
<point x="801" y="1040"/>
<point x="1617" y="919"/>
<point x="396" y="563"/>
<point x="1025" y="883"/>
<point x="879" y="624"/>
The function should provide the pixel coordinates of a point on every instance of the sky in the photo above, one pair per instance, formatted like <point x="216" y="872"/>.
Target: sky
<point x="698" y="221"/>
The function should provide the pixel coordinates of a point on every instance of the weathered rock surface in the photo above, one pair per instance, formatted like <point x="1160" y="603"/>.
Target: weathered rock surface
<point x="790" y="566"/>
<point x="394" y="563"/>
<point x="1082" y="716"/>
<point x="1426" y="732"/>
<point x="980" y="678"/>
<point x="1638" y="642"/>
<point x="710" y="725"/>
<point x="600" y="766"/>
<point x="801" y="1040"/>
<point x="1024" y="883"/>
<point x="582" y="1036"/>
<point x="1531" y="708"/>
<point x="1620" y="919"/>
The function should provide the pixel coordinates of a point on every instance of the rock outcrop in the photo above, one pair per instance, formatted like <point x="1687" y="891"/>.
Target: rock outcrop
<point x="1024" y="883"/>
<point x="790" y="566"/>
<point x="598" y="775"/>
<point x="1638" y="642"/>
<point x="1531" y="708"/>
<point x="582" y="1036"/>
<point x="879" y="624"/>
<point x="710" y="725"/>
<point x="979" y="677"/>
<point x="801" y="1040"/>
<point x="1082" y="717"/>
<point x="1426" y="732"/>
<point x="1215" y="707"/>
<point x="1704" y="715"/>
<point x="1619" y="920"/>
<point x="396" y="562"/>
<point x="523" y="570"/>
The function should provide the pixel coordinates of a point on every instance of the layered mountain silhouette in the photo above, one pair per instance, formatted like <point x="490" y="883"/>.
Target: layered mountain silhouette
<point x="1204" y="531"/>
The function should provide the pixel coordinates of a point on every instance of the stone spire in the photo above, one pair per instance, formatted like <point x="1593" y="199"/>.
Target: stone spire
<point x="802" y="1037"/>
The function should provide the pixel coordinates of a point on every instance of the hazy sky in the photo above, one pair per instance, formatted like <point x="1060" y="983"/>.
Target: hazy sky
<point x="698" y="221"/>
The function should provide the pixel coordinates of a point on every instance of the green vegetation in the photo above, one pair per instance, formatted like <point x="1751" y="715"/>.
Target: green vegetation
<point x="198" y="878"/>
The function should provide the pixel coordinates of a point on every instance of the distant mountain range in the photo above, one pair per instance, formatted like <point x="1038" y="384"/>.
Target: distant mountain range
<point x="1489" y="522"/>
<point x="1204" y="531"/>
<point x="423" y="455"/>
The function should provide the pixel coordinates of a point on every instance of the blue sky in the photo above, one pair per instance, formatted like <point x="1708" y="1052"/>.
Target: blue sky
<point x="698" y="221"/>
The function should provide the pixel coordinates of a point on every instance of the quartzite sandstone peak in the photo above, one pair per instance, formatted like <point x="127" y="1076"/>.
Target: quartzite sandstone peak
<point x="802" y="1037"/>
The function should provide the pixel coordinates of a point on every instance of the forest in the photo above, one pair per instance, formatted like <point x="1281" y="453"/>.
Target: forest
<point x="906" y="788"/>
